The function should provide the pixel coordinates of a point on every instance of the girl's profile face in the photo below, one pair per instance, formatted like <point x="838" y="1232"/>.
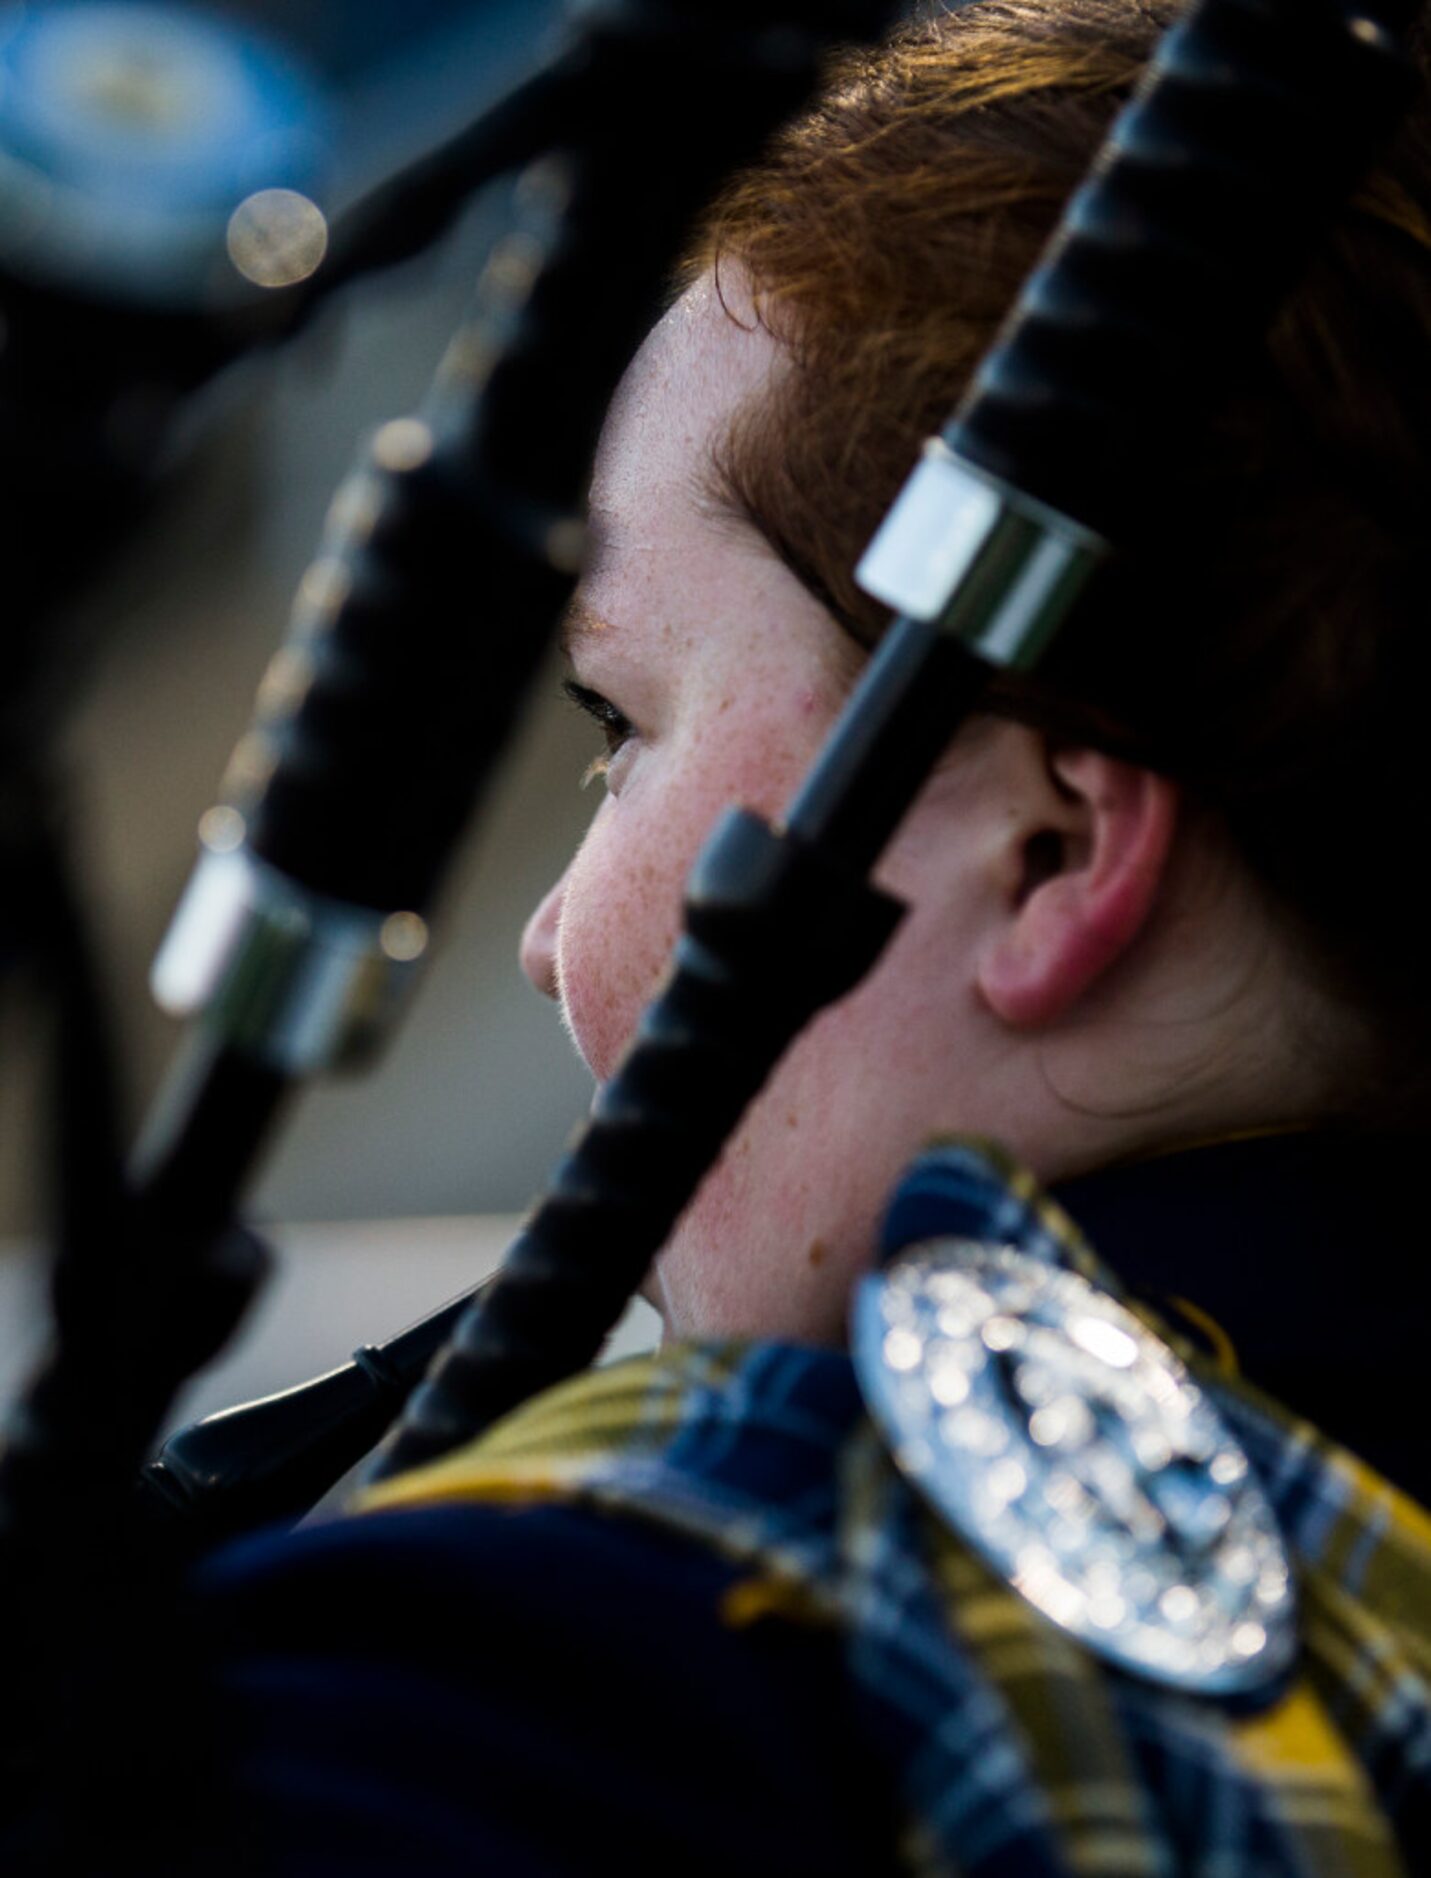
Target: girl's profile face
<point x="713" y="675"/>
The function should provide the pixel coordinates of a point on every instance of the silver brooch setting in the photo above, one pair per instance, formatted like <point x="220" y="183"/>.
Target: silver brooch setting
<point x="1069" y="1446"/>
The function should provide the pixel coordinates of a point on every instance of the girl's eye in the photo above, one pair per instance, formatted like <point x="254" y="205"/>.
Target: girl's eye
<point x="616" y="727"/>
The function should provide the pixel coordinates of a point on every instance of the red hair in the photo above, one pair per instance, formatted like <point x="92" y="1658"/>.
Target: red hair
<point x="1274" y="655"/>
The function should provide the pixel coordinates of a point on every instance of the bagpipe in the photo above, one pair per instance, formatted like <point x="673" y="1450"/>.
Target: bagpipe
<point x="307" y="917"/>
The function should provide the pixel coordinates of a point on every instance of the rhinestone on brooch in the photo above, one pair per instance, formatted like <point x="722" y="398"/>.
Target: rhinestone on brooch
<point x="1068" y="1445"/>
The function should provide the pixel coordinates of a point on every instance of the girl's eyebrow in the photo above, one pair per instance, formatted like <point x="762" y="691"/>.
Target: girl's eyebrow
<point x="598" y="526"/>
<point x="724" y="501"/>
<point x="578" y="625"/>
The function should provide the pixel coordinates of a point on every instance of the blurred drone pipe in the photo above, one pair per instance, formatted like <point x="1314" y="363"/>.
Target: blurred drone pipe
<point x="375" y="729"/>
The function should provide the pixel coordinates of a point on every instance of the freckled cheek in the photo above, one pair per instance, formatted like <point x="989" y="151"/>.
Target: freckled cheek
<point x="622" y="906"/>
<point x="619" y="919"/>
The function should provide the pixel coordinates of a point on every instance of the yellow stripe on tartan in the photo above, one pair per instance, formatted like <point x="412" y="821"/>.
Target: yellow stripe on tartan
<point x="551" y="1444"/>
<point x="1368" y="1497"/>
<point x="1319" y="1789"/>
<point x="1380" y="1536"/>
<point x="753" y="1600"/>
<point x="1375" y="1525"/>
<point x="1329" y="1811"/>
<point x="1102" y="1825"/>
<point x="1223" y="1352"/>
<point x="1339" y="1841"/>
<point x="920" y="1852"/>
<point x="613" y="1406"/>
<point x="589" y="1422"/>
<point x="541" y="1449"/>
<point x="1410" y="1522"/>
<point x="1296" y="1743"/>
<point x="1058" y="1697"/>
<point x="1404" y="1527"/>
<point x="1364" y="1661"/>
<point x="994" y="1615"/>
<point x="461" y="1477"/>
<point x="1115" y="1855"/>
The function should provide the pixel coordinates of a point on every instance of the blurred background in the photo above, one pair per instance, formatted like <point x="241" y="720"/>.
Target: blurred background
<point x="465" y="1114"/>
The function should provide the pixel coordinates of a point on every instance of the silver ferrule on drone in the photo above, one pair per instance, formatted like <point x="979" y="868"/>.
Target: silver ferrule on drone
<point x="991" y="565"/>
<point x="280" y="974"/>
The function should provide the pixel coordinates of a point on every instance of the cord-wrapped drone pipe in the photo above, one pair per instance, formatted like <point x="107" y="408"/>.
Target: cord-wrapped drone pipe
<point x="448" y="561"/>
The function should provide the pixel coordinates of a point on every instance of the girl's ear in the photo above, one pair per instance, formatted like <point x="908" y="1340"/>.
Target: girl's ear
<point x="1090" y="873"/>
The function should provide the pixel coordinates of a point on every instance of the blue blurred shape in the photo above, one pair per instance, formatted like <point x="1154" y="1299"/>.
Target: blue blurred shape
<point x="129" y="133"/>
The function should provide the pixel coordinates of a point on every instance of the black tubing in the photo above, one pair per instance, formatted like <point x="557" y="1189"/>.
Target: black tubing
<point x="451" y="551"/>
<point x="1252" y="123"/>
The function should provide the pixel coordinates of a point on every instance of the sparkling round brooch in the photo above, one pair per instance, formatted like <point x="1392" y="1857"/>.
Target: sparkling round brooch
<point x="1070" y="1447"/>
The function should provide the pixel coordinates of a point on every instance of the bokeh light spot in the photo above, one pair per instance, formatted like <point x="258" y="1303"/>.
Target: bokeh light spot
<point x="277" y="237"/>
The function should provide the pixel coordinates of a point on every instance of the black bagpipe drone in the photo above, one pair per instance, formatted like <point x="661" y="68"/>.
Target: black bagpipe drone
<point x="307" y="916"/>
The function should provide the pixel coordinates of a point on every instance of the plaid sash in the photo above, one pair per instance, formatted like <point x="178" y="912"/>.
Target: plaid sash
<point x="1013" y="1749"/>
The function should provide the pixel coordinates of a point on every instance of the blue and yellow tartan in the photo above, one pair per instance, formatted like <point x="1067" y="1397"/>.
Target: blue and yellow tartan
<point x="1013" y="1749"/>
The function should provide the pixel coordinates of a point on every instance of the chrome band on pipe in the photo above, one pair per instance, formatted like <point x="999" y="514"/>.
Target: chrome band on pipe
<point x="286" y="976"/>
<point x="990" y="565"/>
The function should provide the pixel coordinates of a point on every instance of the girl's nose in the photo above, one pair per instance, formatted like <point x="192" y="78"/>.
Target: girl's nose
<point x="537" y="951"/>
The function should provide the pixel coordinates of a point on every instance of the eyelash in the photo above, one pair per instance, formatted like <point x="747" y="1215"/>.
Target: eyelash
<point x="615" y="726"/>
